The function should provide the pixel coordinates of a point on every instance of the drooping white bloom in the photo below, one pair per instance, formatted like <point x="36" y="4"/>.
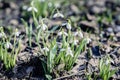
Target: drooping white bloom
<point x="25" y="7"/>
<point x="75" y="42"/>
<point x="88" y="40"/>
<point x="66" y="34"/>
<point x="32" y="8"/>
<point x="58" y="14"/>
<point x="2" y="34"/>
<point x="69" y="52"/>
<point x="50" y="4"/>
<point x="45" y="49"/>
<point x="8" y="45"/>
<point x="62" y="33"/>
<point x="57" y="4"/>
<point x="75" y="33"/>
<point x="62" y="50"/>
<point x="59" y="33"/>
<point x="78" y="33"/>
<point x="42" y="26"/>
<point x="68" y="26"/>
<point x="109" y="61"/>
<point x="42" y="0"/>
<point x="17" y="33"/>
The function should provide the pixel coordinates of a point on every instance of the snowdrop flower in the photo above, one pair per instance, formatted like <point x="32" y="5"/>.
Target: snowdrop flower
<point x="59" y="33"/>
<point x="32" y="8"/>
<point x="68" y="26"/>
<point x="109" y="61"/>
<point x="88" y="40"/>
<point x="42" y="26"/>
<point x="8" y="45"/>
<point x="42" y="0"/>
<point x="17" y="33"/>
<point x="57" y="5"/>
<point x="69" y="52"/>
<point x="62" y="33"/>
<point x="2" y="34"/>
<point x="75" y="33"/>
<point x="25" y="7"/>
<point x="45" y="49"/>
<point x="50" y="4"/>
<point x="62" y="50"/>
<point x="58" y="14"/>
<point x="75" y="42"/>
<point x="79" y="33"/>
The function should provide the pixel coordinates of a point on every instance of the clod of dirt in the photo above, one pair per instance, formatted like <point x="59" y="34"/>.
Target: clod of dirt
<point x="89" y="26"/>
<point x="97" y="9"/>
<point x="75" y="9"/>
<point x="117" y="29"/>
<point x="24" y="57"/>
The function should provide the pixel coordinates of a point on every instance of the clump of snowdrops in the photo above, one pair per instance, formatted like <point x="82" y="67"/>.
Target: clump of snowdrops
<point x="8" y="57"/>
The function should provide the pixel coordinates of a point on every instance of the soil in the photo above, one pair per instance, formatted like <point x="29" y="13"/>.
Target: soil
<point x="92" y="16"/>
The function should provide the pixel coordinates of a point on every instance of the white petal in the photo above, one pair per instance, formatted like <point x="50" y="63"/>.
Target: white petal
<point x="29" y="9"/>
<point x="75" y="42"/>
<point x="17" y="33"/>
<point x="42" y="0"/>
<point x="44" y="27"/>
<point x="32" y="8"/>
<point x="68" y="26"/>
<point x="65" y="34"/>
<point x="69" y="52"/>
<point x="58" y="15"/>
<point x="1" y="35"/>
<point x="35" y="9"/>
<point x="75" y="33"/>
<point x="50" y="4"/>
<point x="80" y="34"/>
<point x="45" y="49"/>
<point x="8" y="45"/>
<point x="59" y="33"/>
<point x="88" y="40"/>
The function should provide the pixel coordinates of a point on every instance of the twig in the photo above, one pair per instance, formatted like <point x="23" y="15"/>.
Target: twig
<point x="68" y="76"/>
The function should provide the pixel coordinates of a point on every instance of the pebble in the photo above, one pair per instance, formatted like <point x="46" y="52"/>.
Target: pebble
<point x="117" y="29"/>
<point x="14" y="22"/>
<point x="110" y="30"/>
<point x="97" y="9"/>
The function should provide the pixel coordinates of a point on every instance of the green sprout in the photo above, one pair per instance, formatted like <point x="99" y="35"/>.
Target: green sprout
<point x="29" y="32"/>
<point x="42" y="7"/>
<point x="105" y="68"/>
<point x="8" y="58"/>
<point x="69" y="51"/>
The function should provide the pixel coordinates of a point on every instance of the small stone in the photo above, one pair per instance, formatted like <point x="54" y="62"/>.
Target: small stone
<point x="117" y="28"/>
<point x="8" y="11"/>
<point x="14" y="22"/>
<point x="118" y="51"/>
<point x="75" y="9"/>
<point x="97" y="9"/>
<point x="110" y="30"/>
<point x="94" y="62"/>
<point x="90" y="26"/>
<point x="13" y="5"/>
<point x="29" y="70"/>
<point x="24" y="57"/>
